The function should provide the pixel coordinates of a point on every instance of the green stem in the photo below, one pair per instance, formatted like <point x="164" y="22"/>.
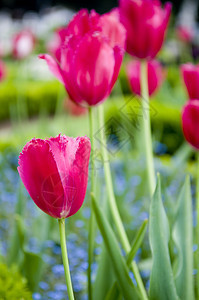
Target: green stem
<point x="197" y="225"/>
<point x="113" y="206"/>
<point x="65" y="258"/>
<point x="91" y="234"/>
<point x="146" y="127"/>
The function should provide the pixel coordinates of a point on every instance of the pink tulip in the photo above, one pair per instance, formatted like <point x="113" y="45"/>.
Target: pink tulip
<point x="2" y="70"/>
<point x="91" y="57"/>
<point x="190" y="123"/>
<point x="23" y="44"/>
<point x="55" y="173"/>
<point x="155" y="76"/>
<point x="146" y="23"/>
<point x="190" y="74"/>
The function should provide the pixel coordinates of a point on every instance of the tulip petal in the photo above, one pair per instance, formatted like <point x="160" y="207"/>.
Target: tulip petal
<point x="53" y="66"/>
<point x="93" y="68"/>
<point x="72" y="159"/>
<point x="39" y="173"/>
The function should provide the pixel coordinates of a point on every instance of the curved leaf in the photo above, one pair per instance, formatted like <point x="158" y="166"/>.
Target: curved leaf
<point x="162" y="284"/>
<point x="183" y="238"/>
<point x="126" y="286"/>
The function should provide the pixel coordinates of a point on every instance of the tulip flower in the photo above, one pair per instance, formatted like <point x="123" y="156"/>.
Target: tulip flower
<point x="190" y="74"/>
<point x="23" y="44"/>
<point x="55" y="173"/>
<point x="91" y="57"/>
<point x="155" y="76"/>
<point x="146" y="23"/>
<point x="2" y="70"/>
<point x="190" y="123"/>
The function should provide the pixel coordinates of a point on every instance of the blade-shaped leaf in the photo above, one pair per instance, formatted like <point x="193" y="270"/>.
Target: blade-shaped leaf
<point x="162" y="284"/>
<point x="114" y="291"/>
<point x="127" y="288"/>
<point x="183" y="238"/>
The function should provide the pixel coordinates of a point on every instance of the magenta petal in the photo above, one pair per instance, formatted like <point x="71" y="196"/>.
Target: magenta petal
<point x="93" y="68"/>
<point x="53" y="66"/>
<point x="39" y="173"/>
<point x="118" y="54"/>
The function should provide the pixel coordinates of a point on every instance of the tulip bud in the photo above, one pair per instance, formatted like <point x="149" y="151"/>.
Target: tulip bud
<point x="55" y="173"/>
<point x="190" y="74"/>
<point x="190" y="123"/>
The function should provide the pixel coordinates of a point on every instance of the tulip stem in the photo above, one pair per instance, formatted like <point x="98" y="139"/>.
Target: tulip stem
<point x="91" y="233"/>
<point x="113" y="205"/>
<point x="197" y="225"/>
<point x="146" y="127"/>
<point x="65" y="258"/>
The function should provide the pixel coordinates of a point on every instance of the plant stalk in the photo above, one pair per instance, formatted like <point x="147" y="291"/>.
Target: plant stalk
<point x="113" y="206"/>
<point x="197" y="226"/>
<point x="146" y="128"/>
<point x="65" y="258"/>
<point x="91" y="233"/>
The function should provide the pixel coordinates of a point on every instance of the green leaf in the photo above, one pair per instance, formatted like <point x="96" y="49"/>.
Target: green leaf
<point x="31" y="264"/>
<point x="127" y="288"/>
<point x="183" y="238"/>
<point x="162" y="284"/>
<point x="113" y="292"/>
<point x="137" y="242"/>
<point x="14" y="254"/>
<point x="32" y="268"/>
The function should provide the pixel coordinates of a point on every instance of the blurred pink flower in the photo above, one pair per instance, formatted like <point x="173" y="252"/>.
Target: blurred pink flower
<point x="184" y="34"/>
<point x="190" y="74"/>
<point x="91" y="56"/>
<point x="2" y="70"/>
<point x="146" y="23"/>
<point x="190" y="123"/>
<point x="55" y="173"/>
<point x="155" y="76"/>
<point x="23" y="44"/>
<point x="73" y="108"/>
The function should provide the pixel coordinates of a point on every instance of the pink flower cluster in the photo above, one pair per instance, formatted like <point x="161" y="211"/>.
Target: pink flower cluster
<point x="86" y="57"/>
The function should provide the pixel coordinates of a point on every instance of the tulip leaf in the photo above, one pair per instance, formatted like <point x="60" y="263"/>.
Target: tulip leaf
<point x="183" y="238"/>
<point x="126" y="286"/>
<point x="114" y="292"/>
<point x="161" y="280"/>
<point x="32" y="268"/>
